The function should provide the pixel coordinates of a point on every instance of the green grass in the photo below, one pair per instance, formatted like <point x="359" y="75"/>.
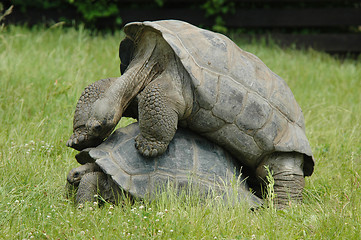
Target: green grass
<point x="43" y="72"/>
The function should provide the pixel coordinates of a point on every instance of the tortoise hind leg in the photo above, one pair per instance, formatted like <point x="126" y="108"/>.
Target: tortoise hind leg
<point x="287" y="172"/>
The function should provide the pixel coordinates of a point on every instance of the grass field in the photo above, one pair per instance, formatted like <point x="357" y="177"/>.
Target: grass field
<point x="43" y="72"/>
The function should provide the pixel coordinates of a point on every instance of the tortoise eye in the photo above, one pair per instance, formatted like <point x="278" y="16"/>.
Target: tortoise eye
<point x="97" y="127"/>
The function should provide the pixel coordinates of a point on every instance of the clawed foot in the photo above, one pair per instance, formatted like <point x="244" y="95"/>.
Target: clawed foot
<point x="76" y="141"/>
<point x="80" y="142"/>
<point x="149" y="148"/>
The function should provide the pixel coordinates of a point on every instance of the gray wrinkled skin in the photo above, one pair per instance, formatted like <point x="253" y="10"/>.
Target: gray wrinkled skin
<point x="115" y="167"/>
<point x="93" y="117"/>
<point x="181" y="74"/>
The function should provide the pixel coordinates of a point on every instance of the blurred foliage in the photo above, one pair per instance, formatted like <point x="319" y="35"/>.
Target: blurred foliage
<point x="3" y="15"/>
<point x="23" y="5"/>
<point x="91" y="12"/>
<point x="94" y="9"/>
<point x="218" y="9"/>
<point x="102" y="14"/>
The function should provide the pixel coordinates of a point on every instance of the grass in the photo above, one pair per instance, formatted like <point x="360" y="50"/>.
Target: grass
<point x="43" y="72"/>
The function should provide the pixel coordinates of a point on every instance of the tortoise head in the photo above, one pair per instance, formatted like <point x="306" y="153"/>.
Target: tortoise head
<point x="95" y="117"/>
<point x="92" y="127"/>
<point x="75" y="175"/>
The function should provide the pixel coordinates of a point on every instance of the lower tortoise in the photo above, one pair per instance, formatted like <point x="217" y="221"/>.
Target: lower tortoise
<point x="191" y="163"/>
<point x="174" y="73"/>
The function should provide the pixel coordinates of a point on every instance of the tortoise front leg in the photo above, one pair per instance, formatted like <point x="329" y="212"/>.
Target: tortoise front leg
<point x="287" y="172"/>
<point x="90" y="185"/>
<point x="98" y="183"/>
<point x="160" y="105"/>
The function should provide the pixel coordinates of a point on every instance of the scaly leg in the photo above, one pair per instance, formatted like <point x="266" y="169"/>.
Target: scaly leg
<point x="90" y="185"/>
<point x="160" y="105"/>
<point x="287" y="172"/>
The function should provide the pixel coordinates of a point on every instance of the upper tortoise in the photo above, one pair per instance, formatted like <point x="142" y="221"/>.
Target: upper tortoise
<point x="176" y="73"/>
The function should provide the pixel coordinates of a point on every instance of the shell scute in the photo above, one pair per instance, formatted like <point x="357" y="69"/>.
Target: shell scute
<point x="229" y="101"/>
<point x="132" y="161"/>
<point x="269" y="135"/>
<point x="254" y="114"/>
<point x="211" y="124"/>
<point x="242" y="144"/>
<point x="160" y="181"/>
<point x="284" y="100"/>
<point x="140" y="186"/>
<point x="247" y="70"/>
<point x="289" y="139"/>
<point x="181" y="149"/>
<point x="207" y="90"/>
<point x="204" y="54"/>
<point x="212" y="172"/>
<point x="121" y="178"/>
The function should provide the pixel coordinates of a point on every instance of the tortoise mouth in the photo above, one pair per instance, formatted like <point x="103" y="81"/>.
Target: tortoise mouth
<point x="74" y="182"/>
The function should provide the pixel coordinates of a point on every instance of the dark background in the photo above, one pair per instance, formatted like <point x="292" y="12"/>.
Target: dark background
<point x="330" y="25"/>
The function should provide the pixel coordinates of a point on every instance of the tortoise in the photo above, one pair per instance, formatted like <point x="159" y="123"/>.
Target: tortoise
<point x="174" y="73"/>
<point x="191" y="163"/>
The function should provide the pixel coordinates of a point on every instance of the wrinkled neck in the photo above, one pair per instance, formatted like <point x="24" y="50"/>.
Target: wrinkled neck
<point x="138" y="75"/>
<point x="150" y="59"/>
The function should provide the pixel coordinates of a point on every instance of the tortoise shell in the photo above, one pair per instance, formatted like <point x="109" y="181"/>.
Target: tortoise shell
<point x="190" y="158"/>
